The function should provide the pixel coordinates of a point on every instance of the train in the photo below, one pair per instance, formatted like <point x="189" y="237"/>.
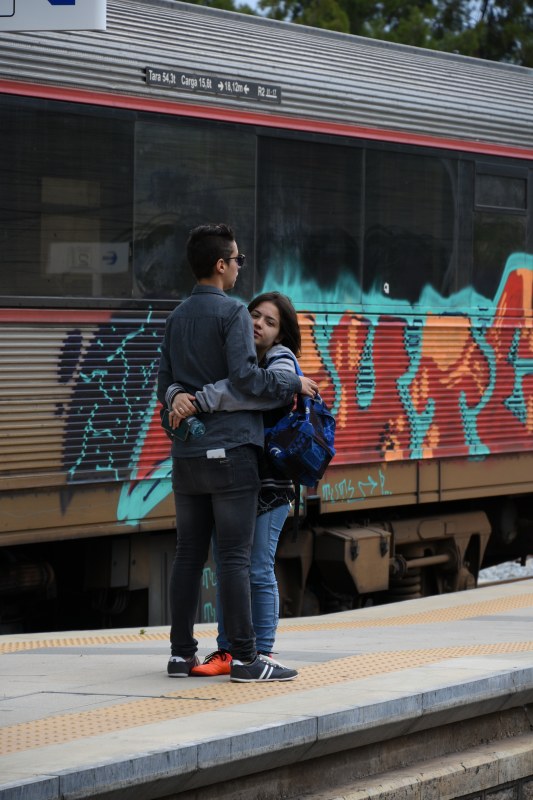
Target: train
<point x="386" y="189"/>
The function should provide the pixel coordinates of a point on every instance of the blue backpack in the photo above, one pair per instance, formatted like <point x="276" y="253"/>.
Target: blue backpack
<point x="301" y="444"/>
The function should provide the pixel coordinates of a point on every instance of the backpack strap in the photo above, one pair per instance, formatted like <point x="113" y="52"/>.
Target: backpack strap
<point x="296" y="515"/>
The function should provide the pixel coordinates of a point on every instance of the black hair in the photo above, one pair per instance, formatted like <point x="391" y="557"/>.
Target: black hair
<point x="206" y="245"/>
<point x="289" y="329"/>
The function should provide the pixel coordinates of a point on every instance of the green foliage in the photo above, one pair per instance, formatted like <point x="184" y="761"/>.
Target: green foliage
<point x="326" y="14"/>
<point x="226" y="5"/>
<point x="499" y="30"/>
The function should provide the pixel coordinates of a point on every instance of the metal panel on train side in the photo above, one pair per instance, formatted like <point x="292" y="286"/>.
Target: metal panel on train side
<point x="81" y="448"/>
<point x="355" y="487"/>
<point x="451" y="392"/>
<point x="319" y="75"/>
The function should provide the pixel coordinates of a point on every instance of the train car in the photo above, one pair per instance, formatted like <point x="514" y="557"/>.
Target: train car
<point x="386" y="189"/>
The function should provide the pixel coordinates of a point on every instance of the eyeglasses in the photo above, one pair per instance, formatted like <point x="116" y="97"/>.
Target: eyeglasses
<point x="240" y="259"/>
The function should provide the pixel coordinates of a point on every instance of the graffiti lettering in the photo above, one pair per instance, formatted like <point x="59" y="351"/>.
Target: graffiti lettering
<point x="344" y="490"/>
<point x="419" y="422"/>
<point x="209" y="578"/>
<point x="470" y="415"/>
<point x="516" y="402"/>
<point x="366" y="384"/>
<point x="443" y="377"/>
<point x="209" y="613"/>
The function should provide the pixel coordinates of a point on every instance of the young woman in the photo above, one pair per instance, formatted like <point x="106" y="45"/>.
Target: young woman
<point x="277" y="340"/>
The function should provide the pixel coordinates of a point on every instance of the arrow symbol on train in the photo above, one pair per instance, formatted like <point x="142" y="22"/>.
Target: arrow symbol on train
<point x="371" y="484"/>
<point x="110" y="257"/>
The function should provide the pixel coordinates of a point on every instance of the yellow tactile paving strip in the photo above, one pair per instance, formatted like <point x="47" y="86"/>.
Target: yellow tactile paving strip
<point x="215" y="696"/>
<point x="482" y="608"/>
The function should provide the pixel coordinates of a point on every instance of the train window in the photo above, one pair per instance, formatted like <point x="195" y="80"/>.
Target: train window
<point x="500" y="223"/>
<point x="501" y="191"/>
<point x="496" y="237"/>
<point x="65" y="219"/>
<point x="409" y="225"/>
<point x="188" y="173"/>
<point x="309" y="209"/>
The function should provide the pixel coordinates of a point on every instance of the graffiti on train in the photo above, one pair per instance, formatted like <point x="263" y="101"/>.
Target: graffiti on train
<point x="348" y="491"/>
<point x="443" y="377"/>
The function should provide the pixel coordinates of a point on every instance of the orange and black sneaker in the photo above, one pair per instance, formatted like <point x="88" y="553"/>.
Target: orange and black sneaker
<point x="217" y="663"/>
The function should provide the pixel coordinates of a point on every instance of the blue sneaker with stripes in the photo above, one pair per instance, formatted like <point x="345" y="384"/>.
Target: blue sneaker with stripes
<point x="262" y="668"/>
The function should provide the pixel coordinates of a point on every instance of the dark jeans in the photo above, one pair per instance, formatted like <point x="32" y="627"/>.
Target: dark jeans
<point x="211" y="493"/>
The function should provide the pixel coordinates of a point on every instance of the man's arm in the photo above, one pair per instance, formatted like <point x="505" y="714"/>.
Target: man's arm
<point x="224" y="396"/>
<point x="243" y="371"/>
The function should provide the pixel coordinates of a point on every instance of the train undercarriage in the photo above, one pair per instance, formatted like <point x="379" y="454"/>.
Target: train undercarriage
<point x="331" y="563"/>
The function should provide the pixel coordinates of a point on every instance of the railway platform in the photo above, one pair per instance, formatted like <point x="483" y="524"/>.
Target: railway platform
<point x="429" y="698"/>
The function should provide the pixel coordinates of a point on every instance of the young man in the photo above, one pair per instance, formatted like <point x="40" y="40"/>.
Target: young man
<point x="215" y="478"/>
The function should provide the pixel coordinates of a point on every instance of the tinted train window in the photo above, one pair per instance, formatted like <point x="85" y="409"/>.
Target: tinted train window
<point x="409" y="225"/>
<point x="309" y="210"/>
<point x="496" y="237"/>
<point x="500" y="223"/>
<point x="500" y="191"/>
<point x="187" y="174"/>
<point x="65" y="212"/>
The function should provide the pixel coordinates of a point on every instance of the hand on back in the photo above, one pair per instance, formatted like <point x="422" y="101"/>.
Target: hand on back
<point x="309" y="387"/>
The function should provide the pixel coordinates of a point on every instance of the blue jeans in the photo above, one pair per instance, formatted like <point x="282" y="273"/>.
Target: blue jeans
<point x="219" y="493"/>
<point x="264" y="586"/>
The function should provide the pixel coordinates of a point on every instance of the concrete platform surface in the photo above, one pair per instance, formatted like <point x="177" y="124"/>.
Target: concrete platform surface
<point x="93" y="713"/>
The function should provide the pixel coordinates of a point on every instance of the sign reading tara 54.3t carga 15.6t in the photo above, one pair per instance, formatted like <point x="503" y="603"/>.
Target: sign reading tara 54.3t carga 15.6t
<point x="52" y="15"/>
